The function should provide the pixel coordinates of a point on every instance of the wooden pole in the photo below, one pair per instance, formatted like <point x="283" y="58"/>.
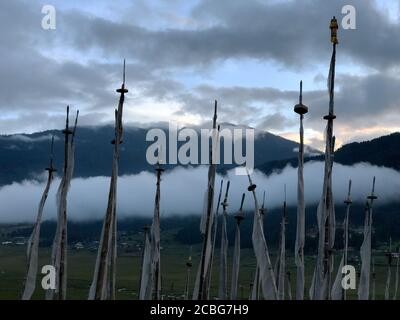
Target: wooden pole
<point x="33" y="243"/>
<point x="103" y="284"/>
<point x="203" y="292"/>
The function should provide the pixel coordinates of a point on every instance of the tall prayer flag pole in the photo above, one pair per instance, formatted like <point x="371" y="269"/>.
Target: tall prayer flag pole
<point x="103" y="283"/>
<point x="300" y="109"/>
<point x="320" y="287"/>
<point x="33" y="243"/>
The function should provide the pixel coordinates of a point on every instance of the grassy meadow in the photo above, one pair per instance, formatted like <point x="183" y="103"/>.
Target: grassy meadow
<point x="173" y="266"/>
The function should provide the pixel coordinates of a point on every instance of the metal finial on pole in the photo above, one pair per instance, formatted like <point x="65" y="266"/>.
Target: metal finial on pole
<point x="122" y="90"/>
<point x="67" y="119"/>
<point x="241" y="203"/>
<point x="240" y="215"/>
<point x="300" y="108"/>
<point x="334" y="27"/>
<point x="372" y="196"/>
<point x="215" y="113"/>
<point x="123" y="77"/>
<point x="348" y="199"/>
<point x="301" y="92"/>
<point x="67" y="131"/>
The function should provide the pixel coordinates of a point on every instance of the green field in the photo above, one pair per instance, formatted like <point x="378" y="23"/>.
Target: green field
<point x="81" y="265"/>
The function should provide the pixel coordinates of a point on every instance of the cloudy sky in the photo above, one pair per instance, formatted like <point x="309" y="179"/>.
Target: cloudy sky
<point x="181" y="55"/>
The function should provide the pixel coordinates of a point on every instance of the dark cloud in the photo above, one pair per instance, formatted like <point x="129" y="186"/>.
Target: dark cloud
<point x="284" y="32"/>
<point x="80" y="62"/>
<point x="292" y="32"/>
<point x="238" y="103"/>
<point x="274" y="121"/>
<point x="360" y="101"/>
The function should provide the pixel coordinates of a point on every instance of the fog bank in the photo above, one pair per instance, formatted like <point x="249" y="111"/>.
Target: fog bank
<point x="182" y="191"/>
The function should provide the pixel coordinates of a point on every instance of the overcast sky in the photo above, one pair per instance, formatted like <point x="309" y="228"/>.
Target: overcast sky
<point x="181" y="55"/>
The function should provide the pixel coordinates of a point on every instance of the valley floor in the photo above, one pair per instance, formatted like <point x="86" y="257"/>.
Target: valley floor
<point x="173" y="260"/>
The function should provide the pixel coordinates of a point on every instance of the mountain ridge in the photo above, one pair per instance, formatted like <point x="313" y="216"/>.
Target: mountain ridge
<point x="383" y="151"/>
<point x="24" y="156"/>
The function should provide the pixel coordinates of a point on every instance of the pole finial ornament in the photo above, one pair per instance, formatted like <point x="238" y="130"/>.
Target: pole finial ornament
<point x="334" y="28"/>
<point x="123" y="89"/>
<point x="300" y="108"/>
